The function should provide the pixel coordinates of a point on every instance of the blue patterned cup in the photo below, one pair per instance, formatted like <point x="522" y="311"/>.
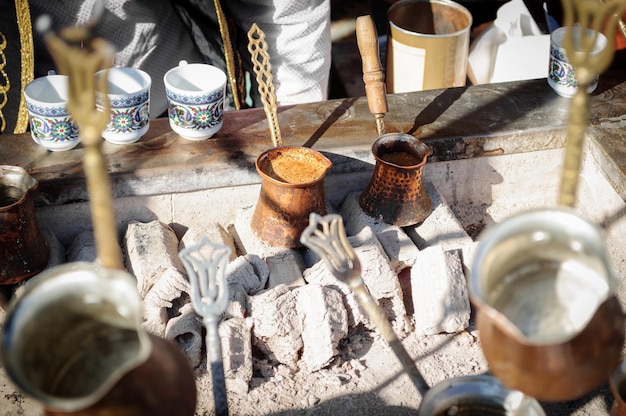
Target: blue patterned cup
<point x="51" y="126"/>
<point x="561" y="75"/>
<point x="129" y="99"/>
<point x="195" y="99"/>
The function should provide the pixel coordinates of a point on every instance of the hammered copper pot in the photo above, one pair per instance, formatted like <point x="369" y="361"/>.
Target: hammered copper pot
<point x="549" y="321"/>
<point x="24" y="250"/>
<point x="292" y="187"/>
<point x="396" y="193"/>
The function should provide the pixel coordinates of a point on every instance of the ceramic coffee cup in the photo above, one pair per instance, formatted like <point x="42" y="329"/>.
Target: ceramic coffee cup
<point x="561" y="75"/>
<point x="51" y="126"/>
<point x="195" y="99"/>
<point x="129" y="99"/>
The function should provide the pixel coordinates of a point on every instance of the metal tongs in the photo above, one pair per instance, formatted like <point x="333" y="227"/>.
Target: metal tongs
<point x="326" y="237"/>
<point x="206" y="267"/>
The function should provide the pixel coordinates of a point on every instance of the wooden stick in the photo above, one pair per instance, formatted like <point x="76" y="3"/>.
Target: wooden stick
<point x="373" y="75"/>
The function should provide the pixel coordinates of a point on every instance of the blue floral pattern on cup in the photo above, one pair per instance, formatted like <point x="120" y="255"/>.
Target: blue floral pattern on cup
<point x="197" y="112"/>
<point x="131" y="101"/>
<point x="128" y="114"/>
<point x="561" y="70"/>
<point x="48" y="111"/>
<point x="53" y="129"/>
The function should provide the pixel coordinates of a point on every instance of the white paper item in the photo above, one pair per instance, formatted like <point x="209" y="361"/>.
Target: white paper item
<point x="521" y="58"/>
<point x="513" y="48"/>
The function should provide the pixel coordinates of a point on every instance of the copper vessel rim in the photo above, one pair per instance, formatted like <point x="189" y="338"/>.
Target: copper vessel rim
<point x="476" y="290"/>
<point x="319" y="155"/>
<point x="514" y="332"/>
<point x="618" y="375"/>
<point x="376" y="144"/>
<point x="52" y="278"/>
<point x="17" y="170"/>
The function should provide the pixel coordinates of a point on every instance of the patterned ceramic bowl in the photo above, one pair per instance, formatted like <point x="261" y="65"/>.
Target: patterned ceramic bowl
<point x="51" y="126"/>
<point x="195" y="98"/>
<point x="129" y="98"/>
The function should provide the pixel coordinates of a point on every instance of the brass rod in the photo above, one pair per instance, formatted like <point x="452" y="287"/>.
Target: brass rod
<point x="591" y="16"/>
<point x="79" y="56"/>
<point x="263" y="70"/>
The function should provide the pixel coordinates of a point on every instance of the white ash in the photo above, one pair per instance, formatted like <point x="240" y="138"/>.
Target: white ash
<point x="250" y="271"/>
<point x="285" y="265"/>
<point x="235" y="336"/>
<point x="439" y="289"/>
<point x="166" y="287"/>
<point x="186" y="331"/>
<point x="320" y="274"/>
<point x="324" y="324"/>
<point x="381" y="280"/>
<point x="214" y="232"/>
<point x="441" y="227"/>
<point x="296" y="326"/>
<point x="276" y="329"/>
<point x="150" y="248"/>
<point x="397" y="245"/>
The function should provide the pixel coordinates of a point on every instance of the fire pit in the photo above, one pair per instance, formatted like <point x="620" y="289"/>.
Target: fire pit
<point x="497" y="150"/>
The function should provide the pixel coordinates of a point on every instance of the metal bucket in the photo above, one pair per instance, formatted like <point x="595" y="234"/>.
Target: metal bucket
<point x="549" y="321"/>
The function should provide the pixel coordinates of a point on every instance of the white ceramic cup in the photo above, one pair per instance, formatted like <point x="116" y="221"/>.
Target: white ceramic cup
<point x="195" y="99"/>
<point x="561" y="75"/>
<point x="129" y="99"/>
<point x="51" y="126"/>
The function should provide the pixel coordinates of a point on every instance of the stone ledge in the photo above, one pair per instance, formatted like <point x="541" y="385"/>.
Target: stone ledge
<point x="457" y="123"/>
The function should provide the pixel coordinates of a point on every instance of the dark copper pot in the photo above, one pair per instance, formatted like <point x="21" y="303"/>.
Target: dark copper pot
<point x="73" y="341"/>
<point x="292" y="187"/>
<point x="617" y="383"/>
<point x="564" y="371"/>
<point x="24" y="251"/>
<point x="162" y="386"/>
<point x="549" y="322"/>
<point x="396" y="192"/>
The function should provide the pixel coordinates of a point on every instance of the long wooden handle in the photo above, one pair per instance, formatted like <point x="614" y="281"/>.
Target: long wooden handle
<point x="373" y="75"/>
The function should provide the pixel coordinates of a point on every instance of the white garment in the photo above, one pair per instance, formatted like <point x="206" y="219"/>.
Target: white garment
<point x="297" y="33"/>
<point x="146" y="34"/>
